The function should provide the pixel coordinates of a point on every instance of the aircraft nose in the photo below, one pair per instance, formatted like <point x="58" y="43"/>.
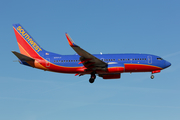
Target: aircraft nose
<point x="167" y="64"/>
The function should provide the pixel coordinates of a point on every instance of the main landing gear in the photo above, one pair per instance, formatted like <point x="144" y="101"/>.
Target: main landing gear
<point x="93" y="77"/>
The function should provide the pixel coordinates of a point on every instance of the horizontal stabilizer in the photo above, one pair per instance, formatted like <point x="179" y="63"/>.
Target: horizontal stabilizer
<point x="22" y="57"/>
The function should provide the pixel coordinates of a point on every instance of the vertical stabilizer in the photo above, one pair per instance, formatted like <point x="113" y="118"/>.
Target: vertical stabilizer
<point x="27" y="45"/>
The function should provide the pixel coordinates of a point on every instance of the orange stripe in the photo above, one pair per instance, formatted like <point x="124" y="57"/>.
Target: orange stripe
<point x="36" y="63"/>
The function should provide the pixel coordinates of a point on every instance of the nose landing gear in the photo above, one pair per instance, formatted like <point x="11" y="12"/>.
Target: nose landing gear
<point x="152" y="76"/>
<point x="156" y="71"/>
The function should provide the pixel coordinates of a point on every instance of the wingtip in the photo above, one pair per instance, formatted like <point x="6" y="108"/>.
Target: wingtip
<point x="67" y="35"/>
<point x="70" y="41"/>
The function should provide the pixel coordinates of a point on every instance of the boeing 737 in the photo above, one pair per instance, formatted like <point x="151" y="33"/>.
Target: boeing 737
<point x="107" y="66"/>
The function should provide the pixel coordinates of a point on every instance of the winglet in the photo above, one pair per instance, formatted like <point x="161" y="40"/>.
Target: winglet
<point x="70" y="41"/>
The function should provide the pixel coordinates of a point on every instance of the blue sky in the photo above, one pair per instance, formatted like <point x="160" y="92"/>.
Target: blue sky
<point x="97" y="26"/>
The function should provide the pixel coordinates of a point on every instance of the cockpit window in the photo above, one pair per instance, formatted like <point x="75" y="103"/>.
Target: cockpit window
<point x="159" y="58"/>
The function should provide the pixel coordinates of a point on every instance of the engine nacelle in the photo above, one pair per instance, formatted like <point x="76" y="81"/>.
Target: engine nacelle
<point x="110" y="76"/>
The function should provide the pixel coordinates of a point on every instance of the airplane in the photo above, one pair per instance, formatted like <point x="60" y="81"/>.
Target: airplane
<point x="107" y="66"/>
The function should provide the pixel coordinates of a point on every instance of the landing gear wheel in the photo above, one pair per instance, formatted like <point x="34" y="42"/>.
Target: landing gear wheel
<point x="152" y="76"/>
<point x="93" y="77"/>
<point x="91" y="80"/>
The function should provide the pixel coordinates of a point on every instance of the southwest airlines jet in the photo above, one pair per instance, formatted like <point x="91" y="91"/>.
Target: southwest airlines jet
<point x="107" y="66"/>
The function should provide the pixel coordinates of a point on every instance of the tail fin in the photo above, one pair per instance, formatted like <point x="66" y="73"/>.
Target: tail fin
<point x="26" y="43"/>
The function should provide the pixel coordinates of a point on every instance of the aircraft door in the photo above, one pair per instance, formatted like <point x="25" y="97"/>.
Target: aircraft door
<point x="149" y="59"/>
<point x="47" y="62"/>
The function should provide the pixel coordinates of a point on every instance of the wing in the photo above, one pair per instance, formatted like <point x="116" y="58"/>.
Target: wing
<point x="88" y="60"/>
